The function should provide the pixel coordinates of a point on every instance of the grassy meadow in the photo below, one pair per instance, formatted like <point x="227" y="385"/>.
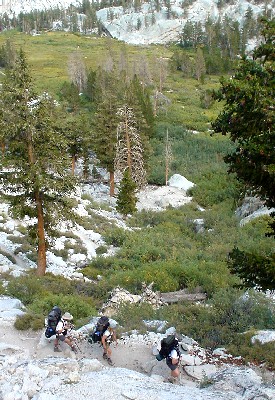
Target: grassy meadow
<point x="166" y="248"/>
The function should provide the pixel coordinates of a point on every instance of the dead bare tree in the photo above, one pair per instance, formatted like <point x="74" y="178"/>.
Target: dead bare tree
<point x="168" y="156"/>
<point x="77" y="70"/>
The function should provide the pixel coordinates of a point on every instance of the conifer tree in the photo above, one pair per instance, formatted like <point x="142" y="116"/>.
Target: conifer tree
<point x="129" y="148"/>
<point x="126" y="199"/>
<point x="34" y="170"/>
<point x="105" y="136"/>
<point x="248" y="117"/>
<point x="138" y="98"/>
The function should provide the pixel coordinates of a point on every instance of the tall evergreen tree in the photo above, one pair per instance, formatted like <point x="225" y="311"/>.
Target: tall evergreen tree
<point x="129" y="148"/>
<point x="105" y="136"/>
<point x="34" y="170"/>
<point x="126" y="199"/>
<point x="248" y="117"/>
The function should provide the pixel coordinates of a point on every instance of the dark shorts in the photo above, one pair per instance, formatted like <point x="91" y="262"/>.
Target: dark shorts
<point x="61" y="337"/>
<point x="170" y="365"/>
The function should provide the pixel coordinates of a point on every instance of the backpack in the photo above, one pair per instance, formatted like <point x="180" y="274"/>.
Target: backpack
<point x="54" y="317"/>
<point x="167" y="345"/>
<point x="101" y="326"/>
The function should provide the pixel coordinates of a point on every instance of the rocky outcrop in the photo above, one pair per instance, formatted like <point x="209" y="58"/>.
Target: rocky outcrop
<point x="119" y="296"/>
<point x="31" y="370"/>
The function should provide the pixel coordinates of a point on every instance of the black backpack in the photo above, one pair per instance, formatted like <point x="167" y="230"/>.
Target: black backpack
<point x="54" y="317"/>
<point x="167" y="345"/>
<point x="101" y="326"/>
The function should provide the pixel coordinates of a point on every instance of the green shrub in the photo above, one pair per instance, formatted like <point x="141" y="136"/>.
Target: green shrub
<point x="156" y="272"/>
<point x="146" y="218"/>
<point x="63" y="253"/>
<point x="101" y="263"/>
<point x="91" y="272"/>
<point x="16" y="239"/>
<point x="25" y="288"/>
<point x="25" y="247"/>
<point x="70" y="235"/>
<point x="115" y="236"/>
<point x="101" y="250"/>
<point x="2" y="288"/>
<point x="78" y="306"/>
<point x="29" y="321"/>
<point x="131" y="316"/>
<point x="256" y="353"/>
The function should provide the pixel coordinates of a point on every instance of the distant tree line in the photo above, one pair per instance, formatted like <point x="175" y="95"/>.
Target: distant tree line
<point x="219" y="43"/>
<point x="221" y="40"/>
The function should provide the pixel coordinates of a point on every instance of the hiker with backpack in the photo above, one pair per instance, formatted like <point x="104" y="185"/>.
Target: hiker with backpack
<point x="108" y="337"/>
<point x="62" y="328"/>
<point x="105" y="334"/>
<point x="59" y="325"/>
<point x="170" y="352"/>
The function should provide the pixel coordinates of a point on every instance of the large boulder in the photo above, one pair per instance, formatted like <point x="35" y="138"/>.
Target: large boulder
<point x="180" y="182"/>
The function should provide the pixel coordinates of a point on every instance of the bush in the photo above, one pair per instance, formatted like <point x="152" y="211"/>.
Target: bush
<point x="101" y="250"/>
<point x="29" y="321"/>
<point x="115" y="236"/>
<point x="131" y="316"/>
<point x="78" y="306"/>
<point x="25" y="288"/>
<point x="256" y="353"/>
<point x="228" y="313"/>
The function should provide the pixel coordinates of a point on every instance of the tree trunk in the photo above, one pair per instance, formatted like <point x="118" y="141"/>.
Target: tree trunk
<point x="41" y="254"/>
<point x="129" y="161"/>
<point x="41" y="250"/>
<point x="3" y="148"/>
<point x="155" y="102"/>
<point x="73" y="164"/>
<point x="112" y="183"/>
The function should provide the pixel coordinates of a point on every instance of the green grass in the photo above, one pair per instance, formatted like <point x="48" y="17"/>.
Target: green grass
<point x="48" y="55"/>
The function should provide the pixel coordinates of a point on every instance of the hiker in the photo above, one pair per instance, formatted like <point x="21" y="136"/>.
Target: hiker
<point x="172" y="362"/>
<point x="170" y="351"/>
<point x="62" y="328"/>
<point x="108" y="337"/>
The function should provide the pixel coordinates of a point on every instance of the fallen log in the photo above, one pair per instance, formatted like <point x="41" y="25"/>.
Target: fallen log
<point x="182" y="295"/>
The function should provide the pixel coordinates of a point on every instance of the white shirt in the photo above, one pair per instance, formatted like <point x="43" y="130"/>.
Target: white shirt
<point x="174" y="354"/>
<point x="61" y="325"/>
<point x="108" y="333"/>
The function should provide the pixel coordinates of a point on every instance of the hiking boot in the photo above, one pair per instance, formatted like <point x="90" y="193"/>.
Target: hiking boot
<point x="110" y="362"/>
<point x="57" y="349"/>
<point x="105" y="356"/>
<point x="172" y="380"/>
<point x="73" y="348"/>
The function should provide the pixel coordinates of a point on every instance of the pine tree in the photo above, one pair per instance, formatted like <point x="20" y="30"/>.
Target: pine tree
<point x="105" y="136"/>
<point x="248" y="117"/>
<point x="34" y="170"/>
<point x="129" y="148"/>
<point x="126" y="199"/>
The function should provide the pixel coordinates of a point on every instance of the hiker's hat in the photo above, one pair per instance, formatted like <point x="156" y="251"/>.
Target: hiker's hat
<point x="112" y="323"/>
<point x="67" y="316"/>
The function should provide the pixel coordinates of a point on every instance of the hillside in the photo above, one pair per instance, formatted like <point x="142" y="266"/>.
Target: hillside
<point x="144" y="23"/>
<point x="102" y="261"/>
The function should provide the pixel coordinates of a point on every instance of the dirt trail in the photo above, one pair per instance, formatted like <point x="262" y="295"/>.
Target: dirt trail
<point x="137" y="357"/>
